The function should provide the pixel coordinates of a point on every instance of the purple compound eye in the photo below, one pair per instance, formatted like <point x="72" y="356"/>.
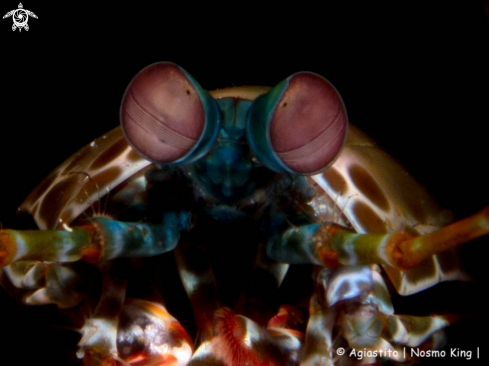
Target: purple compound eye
<point x="308" y="128"/>
<point x="167" y="117"/>
<point x="299" y="126"/>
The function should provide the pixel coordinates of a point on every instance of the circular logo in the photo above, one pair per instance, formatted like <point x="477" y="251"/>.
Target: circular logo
<point x="20" y="17"/>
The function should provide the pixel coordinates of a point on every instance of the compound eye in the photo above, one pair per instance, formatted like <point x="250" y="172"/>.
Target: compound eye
<point x="167" y="117"/>
<point x="299" y="126"/>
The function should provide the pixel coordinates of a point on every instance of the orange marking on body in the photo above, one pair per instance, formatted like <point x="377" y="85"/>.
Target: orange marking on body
<point x="231" y="332"/>
<point x="142" y="359"/>
<point x="175" y="327"/>
<point x="8" y="248"/>
<point x="393" y="251"/>
<point x="328" y="256"/>
<point x="231" y="341"/>
<point x="93" y="359"/>
<point x="94" y="252"/>
<point x="288" y="317"/>
<point x="231" y="337"/>
<point x="179" y="332"/>
<point x="158" y="310"/>
<point x="90" y="255"/>
<point x="280" y="319"/>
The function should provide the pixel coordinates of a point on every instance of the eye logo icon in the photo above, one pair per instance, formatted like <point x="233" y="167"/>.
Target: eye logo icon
<point x="20" y="17"/>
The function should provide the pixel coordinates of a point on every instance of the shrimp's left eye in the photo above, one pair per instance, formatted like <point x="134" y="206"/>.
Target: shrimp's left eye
<point x="167" y="117"/>
<point x="299" y="126"/>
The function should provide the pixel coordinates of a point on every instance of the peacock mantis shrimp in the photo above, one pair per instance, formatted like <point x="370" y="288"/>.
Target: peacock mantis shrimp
<point x="231" y="199"/>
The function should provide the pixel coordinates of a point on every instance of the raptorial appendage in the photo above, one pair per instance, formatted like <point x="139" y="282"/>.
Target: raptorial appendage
<point x="350" y="306"/>
<point x="332" y="245"/>
<point x="100" y="239"/>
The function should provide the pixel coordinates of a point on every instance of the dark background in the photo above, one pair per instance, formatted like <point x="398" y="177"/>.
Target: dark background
<point x="414" y="77"/>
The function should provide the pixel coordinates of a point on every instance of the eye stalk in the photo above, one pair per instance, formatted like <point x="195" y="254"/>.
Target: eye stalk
<point x="167" y="117"/>
<point x="299" y="126"/>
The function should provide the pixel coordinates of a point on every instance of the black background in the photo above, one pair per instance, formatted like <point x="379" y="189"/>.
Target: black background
<point x="414" y="77"/>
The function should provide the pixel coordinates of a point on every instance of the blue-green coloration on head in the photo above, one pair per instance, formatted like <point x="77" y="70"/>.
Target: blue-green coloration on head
<point x="229" y="172"/>
<point x="258" y="126"/>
